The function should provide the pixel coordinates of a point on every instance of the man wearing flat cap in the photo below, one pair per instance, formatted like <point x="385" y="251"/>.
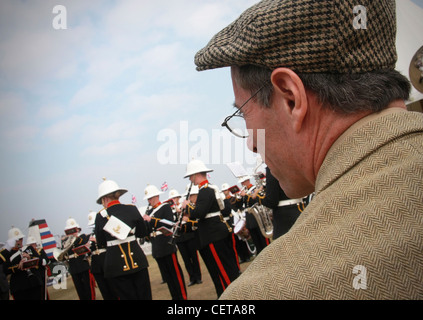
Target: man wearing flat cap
<point x="332" y="106"/>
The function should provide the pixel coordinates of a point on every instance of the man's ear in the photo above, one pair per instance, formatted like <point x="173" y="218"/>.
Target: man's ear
<point x="290" y="95"/>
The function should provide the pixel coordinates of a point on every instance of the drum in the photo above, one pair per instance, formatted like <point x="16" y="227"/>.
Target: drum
<point x="239" y="226"/>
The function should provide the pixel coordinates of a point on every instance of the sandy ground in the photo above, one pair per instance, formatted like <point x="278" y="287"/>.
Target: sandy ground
<point x="204" y="291"/>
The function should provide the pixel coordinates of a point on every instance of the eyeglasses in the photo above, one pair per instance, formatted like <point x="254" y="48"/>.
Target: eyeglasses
<point x="237" y="125"/>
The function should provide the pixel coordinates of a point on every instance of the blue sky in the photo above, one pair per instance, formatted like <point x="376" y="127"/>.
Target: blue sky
<point x="89" y="102"/>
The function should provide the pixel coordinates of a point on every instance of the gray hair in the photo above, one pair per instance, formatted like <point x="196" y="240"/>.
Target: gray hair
<point x="341" y="92"/>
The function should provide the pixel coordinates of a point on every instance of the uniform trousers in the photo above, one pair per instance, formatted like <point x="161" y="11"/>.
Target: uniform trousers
<point x="104" y="286"/>
<point x="260" y="242"/>
<point x="173" y="276"/>
<point x="83" y="285"/>
<point x="188" y="250"/>
<point x="232" y="244"/>
<point x="134" y="286"/>
<point x="219" y="259"/>
<point x="34" y="293"/>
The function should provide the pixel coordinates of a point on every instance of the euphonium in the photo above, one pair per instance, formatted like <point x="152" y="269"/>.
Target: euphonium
<point x="58" y="254"/>
<point x="261" y="213"/>
<point x="263" y="216"/>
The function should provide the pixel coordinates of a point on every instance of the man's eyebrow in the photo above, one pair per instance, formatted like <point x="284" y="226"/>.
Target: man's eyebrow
<point x="235" y="106"/>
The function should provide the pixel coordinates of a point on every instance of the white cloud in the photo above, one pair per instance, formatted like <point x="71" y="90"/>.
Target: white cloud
<point x="122" y="148"/>
<point x="21" y="138"/>
<point x="64" y="129"/>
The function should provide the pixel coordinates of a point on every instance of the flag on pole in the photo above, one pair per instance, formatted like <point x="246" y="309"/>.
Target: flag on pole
<point x="164" y="186"/>
<point x="134" y="200"/>
<point x="41" y="232"/>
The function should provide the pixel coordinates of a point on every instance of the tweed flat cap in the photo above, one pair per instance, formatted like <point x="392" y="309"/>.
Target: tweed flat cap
<point x="337" y="36"/>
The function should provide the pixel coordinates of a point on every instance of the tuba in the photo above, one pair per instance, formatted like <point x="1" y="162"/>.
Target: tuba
<point x="261" y="213"/>
<point x="58" y="254"/>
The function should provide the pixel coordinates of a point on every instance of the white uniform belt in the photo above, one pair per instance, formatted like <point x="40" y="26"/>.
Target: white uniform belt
<point x="289" y="202"/>
<point x="98" y="251"/>
<point x="211" y="215"/>
<point x="117" y="242"/>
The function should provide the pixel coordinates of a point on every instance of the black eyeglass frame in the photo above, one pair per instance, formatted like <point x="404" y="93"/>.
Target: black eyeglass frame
<point x="225" y="122"/>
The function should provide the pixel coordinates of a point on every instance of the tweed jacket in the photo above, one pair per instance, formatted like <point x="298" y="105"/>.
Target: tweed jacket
<point x="361" y="237"/>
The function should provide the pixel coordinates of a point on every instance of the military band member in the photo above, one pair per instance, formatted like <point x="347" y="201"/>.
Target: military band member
<point x="241" y="249"/>
<point x="42" y="267"/>
<point x="25" y="280"/>
<point x="250" y="196"/>
<point x="285" y="210"/>
<point x="159" y="217"/>
<point x="117" y="227"/>
<point x="212" y="229"/>
<point x="79" y="267"/>
<point x="186" y="242"/>
<point x="98" y="256"/>
<point x="4" y="256"/>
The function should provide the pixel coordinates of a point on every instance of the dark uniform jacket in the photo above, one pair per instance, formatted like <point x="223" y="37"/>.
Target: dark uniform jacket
<point x="160" y="242"/>
<point x="21" y="280"/>
<point x="126" y="257"/>
<point x="78" y="264"/>
<point x="227" y="211"/>
<point x="209" y="229"/>
<point x="248" y="202"/>
<point x="185" y="233"/>
<point x="98" y="256"/>
<point x="4" y="255"/>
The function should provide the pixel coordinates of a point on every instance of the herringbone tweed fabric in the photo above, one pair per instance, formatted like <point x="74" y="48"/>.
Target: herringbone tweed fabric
<point x="307" y="36"/>
<point x="368" y="211"/>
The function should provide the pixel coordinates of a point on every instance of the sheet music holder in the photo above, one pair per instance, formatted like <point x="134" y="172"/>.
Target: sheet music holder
<point x="81" y="250"/>
<point x="237" y="169"/>
<point x="30" y="263"/>
<point x="165" y="231"/>
<point x="234" y="189"/>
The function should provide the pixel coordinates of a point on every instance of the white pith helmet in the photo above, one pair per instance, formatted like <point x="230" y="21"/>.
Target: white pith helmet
<point x="243" y="179"/>
<point x="15" y="234"/>
<point x="91" y="218"/>
<point x="151" y="191"/>
<point x="30" y="240"/>
<point x="174" y="194"/>
<point x="196" y="166"/>
<point x="225" y="187"/>
<point x="71" y="223"/>
<point x="107" y="187"/>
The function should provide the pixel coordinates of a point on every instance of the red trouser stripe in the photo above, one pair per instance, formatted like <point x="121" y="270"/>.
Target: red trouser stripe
<point x="236" y="252"/>
<point x="219" y="264"/>
<point x="178" y="274"/>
